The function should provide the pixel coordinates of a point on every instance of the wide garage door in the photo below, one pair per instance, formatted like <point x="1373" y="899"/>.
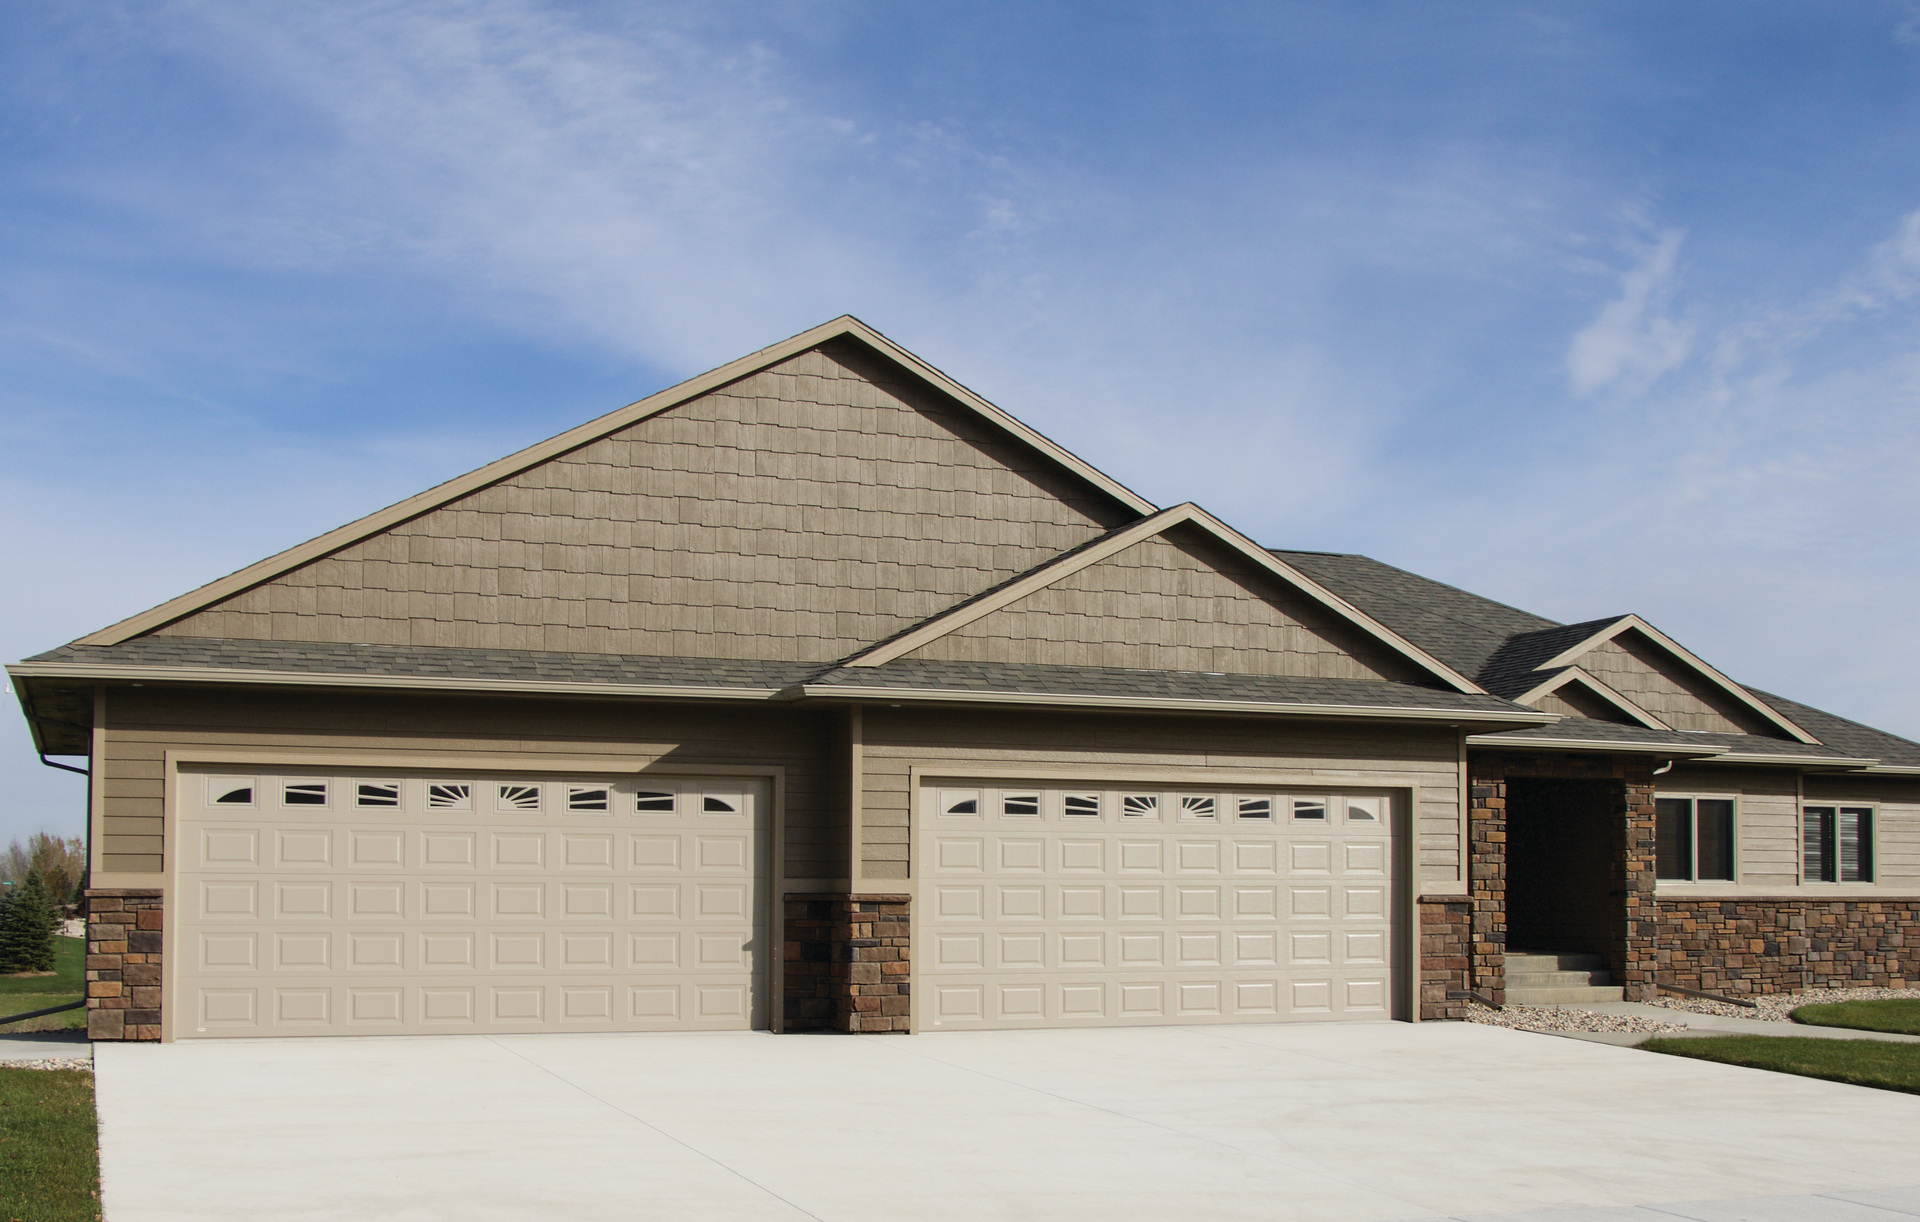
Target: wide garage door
<point x="377" y="902"/>
<point x="1051" y="906"/>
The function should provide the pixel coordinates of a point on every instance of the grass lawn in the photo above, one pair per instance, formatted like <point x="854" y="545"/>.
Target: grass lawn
<point x="1900" y="1016"/>
<point x="18" y="994"/>
<point x="49" y="1146"/>
<point x="1878" y="1063"/>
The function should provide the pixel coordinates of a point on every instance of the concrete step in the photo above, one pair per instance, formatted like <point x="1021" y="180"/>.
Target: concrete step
<point x="1553" y="961"/>
<point x="1565" y="995"/>
<point x="1554" y="980"/>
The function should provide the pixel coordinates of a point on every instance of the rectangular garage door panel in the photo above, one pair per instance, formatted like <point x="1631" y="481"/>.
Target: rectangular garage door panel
<point x="335" y="904"/>
<point x="1084" y="906"/>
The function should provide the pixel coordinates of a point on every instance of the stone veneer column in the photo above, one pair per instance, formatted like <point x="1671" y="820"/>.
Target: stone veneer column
<point x="1446" y="949"/>
<point x="123" y="964"/>
<point x="846" y="961"/>
<point x="1487" y="877"/>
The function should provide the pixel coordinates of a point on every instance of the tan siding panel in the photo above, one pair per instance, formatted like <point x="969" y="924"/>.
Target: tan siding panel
<point x="1644" y="673"/>
<point x="1172" y="602"/>
<point x="742" y="524"/>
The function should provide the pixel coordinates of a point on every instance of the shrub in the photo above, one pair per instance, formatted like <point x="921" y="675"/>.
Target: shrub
<point x="62" y="864"/>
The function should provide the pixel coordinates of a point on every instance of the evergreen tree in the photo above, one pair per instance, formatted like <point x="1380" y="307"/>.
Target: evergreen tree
<point x="27" y="925"/>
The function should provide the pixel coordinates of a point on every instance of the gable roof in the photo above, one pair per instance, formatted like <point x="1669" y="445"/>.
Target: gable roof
<point x="1508" y="651"/>
<point x="1119" y="540"/>
<point x="1574" y="676"/>
<point x="846" y="327"/>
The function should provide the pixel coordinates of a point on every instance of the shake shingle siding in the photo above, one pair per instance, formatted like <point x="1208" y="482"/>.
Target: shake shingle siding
<point x="797" y="514"/>
<point x="1172" y="602"/>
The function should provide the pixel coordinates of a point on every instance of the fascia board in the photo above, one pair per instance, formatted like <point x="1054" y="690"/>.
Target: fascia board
<point x="1893" y="769"/>
<point x="1575" y="674"/>
<point x="453" y="489"/>
<point x="1821" y="762"/>
<point x="895" y="695"/>
<point x="1686" y="656"/>
<point x="295" y="678"/>
<point x="1160" y="523"/>
<point x="1703" y="751"/>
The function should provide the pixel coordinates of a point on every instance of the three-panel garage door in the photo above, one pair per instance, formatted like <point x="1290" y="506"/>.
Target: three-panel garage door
<point x="1102" y="905"/>
<point x="377" y="902"/>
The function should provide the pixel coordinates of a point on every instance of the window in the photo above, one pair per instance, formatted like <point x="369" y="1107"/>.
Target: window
<point x="1140" y="806"/>
<point x="960" y="802"/>
<point x="1837" y="844"/>
<point x="1196" y="806"/>
<point x="230" y="790"/>
<point x="1020" y="805"/>
<point x="1310" y="808"/>
<point x="589" y="797"/>
<point x="654" y="801"/>
<point x="449" y="795"/>
<point x="1081" y="805"/>
<point x="519" y="797"/>
<point x="1363" y="810"/>
<point x="1256" y="808"/>
<point x="376" y="793"/>
<point x="715" y="804"/>
<point x="1693" y="839"/>
<point x="303" y="793"/>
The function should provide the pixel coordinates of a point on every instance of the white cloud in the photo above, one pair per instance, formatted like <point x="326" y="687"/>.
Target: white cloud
<point x="1633" y="341"/>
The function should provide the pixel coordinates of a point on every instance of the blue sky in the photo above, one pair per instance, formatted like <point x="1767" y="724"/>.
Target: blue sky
<point x="1591" y="308"/>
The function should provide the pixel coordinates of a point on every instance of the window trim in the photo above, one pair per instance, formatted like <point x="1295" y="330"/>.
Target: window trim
<point x="1836" y="805"/>
<point x="1693" y="878"/>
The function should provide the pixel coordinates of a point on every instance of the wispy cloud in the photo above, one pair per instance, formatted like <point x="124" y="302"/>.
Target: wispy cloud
<point x="1634" y="341"/>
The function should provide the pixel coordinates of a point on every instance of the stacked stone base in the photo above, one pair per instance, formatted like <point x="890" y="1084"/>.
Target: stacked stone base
<point x="1446" y="956"/>
<point x="123" y="964"/>
<point x="846" y="960"/>
<point x="1784" y="945"/>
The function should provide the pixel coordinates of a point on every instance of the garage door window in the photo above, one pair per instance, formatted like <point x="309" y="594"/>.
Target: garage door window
<point x="1310" y="810"/>
<point x="230" y="791"/>
<point x="303" y="793"/>
<point x="518" y="798"/>
<point x="1140" y="806"/>
<point x="376" y="794"/>
<point x="448" y="795"/>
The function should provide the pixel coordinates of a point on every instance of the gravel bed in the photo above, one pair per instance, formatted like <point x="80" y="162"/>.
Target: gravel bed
<point x="1558" y="1019"/>
<point x="85" y="1063"/>
<point x="1775" y="1007"/>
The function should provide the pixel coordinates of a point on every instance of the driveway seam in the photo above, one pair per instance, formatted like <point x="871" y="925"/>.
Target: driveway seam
<point x="641" y="1120"/>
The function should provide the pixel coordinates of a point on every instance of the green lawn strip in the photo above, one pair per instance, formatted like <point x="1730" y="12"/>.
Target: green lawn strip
<point x="49" y="1146"/>
<point x="1898" y="1015"/>
<point x="1877" y="1063"/>
<point x="69" y="973"/>
<point x="19" y="994"/>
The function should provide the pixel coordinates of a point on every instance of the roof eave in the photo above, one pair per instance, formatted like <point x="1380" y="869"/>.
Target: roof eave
<point x="1611" y="747"/>
<point x="893" y="695"/>
<point x="215" y="676"/>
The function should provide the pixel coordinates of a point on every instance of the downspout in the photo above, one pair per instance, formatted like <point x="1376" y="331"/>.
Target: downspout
<point x="26" y="698"/>
<point x="1653" y="914"/>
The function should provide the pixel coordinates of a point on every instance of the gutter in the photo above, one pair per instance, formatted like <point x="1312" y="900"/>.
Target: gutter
<point x="296" y="678"/>
<point x="1704" y="751"/>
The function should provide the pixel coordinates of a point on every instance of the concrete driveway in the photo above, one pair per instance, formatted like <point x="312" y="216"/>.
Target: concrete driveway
<point x="1380" y="1122"/>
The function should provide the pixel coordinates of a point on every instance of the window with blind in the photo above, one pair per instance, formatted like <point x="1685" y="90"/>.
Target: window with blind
<point x="1694" y="839"/>
<point x="1836" y="844"/>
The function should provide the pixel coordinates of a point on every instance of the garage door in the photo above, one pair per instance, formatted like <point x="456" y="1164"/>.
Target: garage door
<point x="1056" y="906"/>
<point x="371" y="902"/>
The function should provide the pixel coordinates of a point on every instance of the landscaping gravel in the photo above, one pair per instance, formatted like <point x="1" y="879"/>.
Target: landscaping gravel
<point x="1775" y="1007"/>
<point x="85" y="1063"/>
<point x="1560" y="1019"/>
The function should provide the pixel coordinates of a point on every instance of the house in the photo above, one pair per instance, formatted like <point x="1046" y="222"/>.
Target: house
<point x="818" y="692"/>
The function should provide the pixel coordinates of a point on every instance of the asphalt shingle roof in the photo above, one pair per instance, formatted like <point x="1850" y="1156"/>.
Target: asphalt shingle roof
<point x="1020" y="678"/>
<point x="1586" y="729"/>
<point x="419" y="662"/>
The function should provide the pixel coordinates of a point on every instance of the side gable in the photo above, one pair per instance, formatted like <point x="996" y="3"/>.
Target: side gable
<point x="797" y="512"/>
<point x="1176" y="591"/>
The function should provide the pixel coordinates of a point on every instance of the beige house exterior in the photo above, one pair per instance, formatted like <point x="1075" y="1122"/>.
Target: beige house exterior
<point x="817" y="692"/>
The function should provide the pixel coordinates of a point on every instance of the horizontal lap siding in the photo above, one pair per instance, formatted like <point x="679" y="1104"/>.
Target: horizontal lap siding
<point x="1899" y="834"/>
<point x="799" y="513"/>
<point x="1173" y="602"/>
<point x="1184" y="750"/>
<point x="1768" y="819"/>
<point x="143" y="725"/>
